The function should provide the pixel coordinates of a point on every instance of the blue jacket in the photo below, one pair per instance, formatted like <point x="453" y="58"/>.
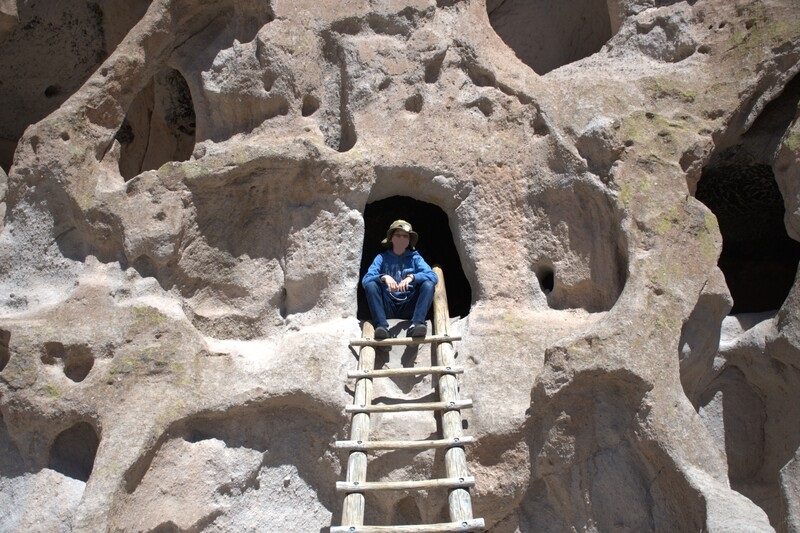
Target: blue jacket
<point x="399" y="266"/>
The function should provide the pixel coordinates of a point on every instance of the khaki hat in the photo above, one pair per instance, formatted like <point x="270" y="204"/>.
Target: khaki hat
<point x="405" y="226"/>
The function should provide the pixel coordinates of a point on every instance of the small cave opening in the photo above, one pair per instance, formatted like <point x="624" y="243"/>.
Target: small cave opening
<point x="435" y="244"/>
<point x="76" y="360"/>
<point x="159" y="126"/>
<point x="73" y="451"/>
<point x="759" y="259"/>
<point x="545" y="35"/>
<point x="5" y="351"/>
<point x="547" y="279"/>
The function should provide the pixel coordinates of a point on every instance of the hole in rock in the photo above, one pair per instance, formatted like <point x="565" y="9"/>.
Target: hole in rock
<point x="5" y="352"/>
<point x="578" y="233"/>
<point x="77" y="360"/>
<point x="73" y="451"/>
<point x="50" y="52"/>
<point x="435" y="245"/>
<point x="545" y="34"/>
<point x="759" y="259"/>
<point x="414" y="103"/>
<point x="145" y="267"/>
<point x="159" y="126"/>
<point x="310" y="105"/>
<point x="51" y="91"/>
<point x="546" y="279"/>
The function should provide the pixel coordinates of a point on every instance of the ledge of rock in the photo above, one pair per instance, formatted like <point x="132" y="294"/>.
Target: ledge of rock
<point x="191" y="191"/>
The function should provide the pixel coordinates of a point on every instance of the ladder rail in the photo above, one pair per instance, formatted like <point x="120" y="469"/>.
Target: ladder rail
<point x="354" y="503"/>
<point x="455" y="459"/>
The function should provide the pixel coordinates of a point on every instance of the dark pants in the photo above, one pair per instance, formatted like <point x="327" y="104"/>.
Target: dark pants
<point x="383" y="306"/>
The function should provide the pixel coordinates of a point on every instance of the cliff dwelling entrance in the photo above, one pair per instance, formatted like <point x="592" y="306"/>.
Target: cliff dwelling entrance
<point x="435" y="244"/>
<point x="159" y="126"/>
<point x="758" y="258"/>
<point x="545" y="35"/>
<point x="74" y="450"/>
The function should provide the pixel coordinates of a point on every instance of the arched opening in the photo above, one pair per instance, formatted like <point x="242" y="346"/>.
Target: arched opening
<point x="73" y="451"/>
<point x="159" y="126"/>
<point x="546" y="35"/>
<point x="435" y="244"/>
<point x="759" y="259"/>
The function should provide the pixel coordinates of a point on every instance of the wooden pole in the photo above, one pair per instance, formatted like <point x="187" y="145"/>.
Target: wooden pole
<point x="455" y="460"/>
<point x="353" y="507"/>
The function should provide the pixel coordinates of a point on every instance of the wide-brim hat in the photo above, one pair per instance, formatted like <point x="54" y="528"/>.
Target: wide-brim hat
<point x="405" y="226"/>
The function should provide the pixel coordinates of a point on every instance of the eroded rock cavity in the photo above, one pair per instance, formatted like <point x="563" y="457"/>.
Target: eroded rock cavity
<point x="191" y="190"/>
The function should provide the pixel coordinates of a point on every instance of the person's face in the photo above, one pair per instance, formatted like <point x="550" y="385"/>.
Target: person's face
<point x="400" y="239"/>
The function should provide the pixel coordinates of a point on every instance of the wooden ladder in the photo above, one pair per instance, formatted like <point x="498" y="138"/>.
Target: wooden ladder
<point x="458" y="480"/>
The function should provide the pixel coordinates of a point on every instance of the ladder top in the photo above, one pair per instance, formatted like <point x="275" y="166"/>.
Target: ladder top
<point x="404" y="341"/>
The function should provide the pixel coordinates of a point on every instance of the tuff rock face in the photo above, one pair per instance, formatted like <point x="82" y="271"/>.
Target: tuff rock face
<point x="191" y="187"/>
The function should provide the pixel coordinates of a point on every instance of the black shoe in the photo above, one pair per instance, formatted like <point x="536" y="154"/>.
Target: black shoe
<point x="418" y="330"/>
<point x="381" y="333"/>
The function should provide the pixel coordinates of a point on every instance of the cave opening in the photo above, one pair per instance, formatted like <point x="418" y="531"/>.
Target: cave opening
<point x="435" y="244"/>
<point x="5" y="352"/>
<point x="545" y="36"/>
<point x="159" y="126"/>
<point x="759" y="259"/>
<point x="74" y="450"/>
<point x="76" y="360"/>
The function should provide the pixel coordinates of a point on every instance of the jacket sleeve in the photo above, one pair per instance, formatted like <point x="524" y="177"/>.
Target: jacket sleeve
<point x="422" y="271"/>
<point x="374" y="270"/>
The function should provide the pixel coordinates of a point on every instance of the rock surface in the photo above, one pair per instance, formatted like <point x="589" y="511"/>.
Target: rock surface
<point x="189" y="192"/>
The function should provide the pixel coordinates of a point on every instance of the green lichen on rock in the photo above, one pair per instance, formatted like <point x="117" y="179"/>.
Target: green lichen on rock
<point x="792" y="141"/>
<point x="655" y="137"/>
<point x="762" y="31"/>
<point x="148" y="361"/>
<point x="147" y="318"/>
<point x="661" y="87"/>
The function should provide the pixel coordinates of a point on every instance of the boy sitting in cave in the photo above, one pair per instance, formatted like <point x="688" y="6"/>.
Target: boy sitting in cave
<point x="399" y="283"/>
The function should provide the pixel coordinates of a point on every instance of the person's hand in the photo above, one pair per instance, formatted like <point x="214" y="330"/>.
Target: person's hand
<point x="403" y="285"/>
<point x="391" y="283"/>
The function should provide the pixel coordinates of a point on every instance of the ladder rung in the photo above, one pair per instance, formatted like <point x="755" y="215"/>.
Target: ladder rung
<point x="415" y="371"/>
<point x="442" y="483"/>
<point x="404" y="341"/>
<point x="403" y="444"/>
<point x="413" y="406"/>
<point x="475" y="524"/>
